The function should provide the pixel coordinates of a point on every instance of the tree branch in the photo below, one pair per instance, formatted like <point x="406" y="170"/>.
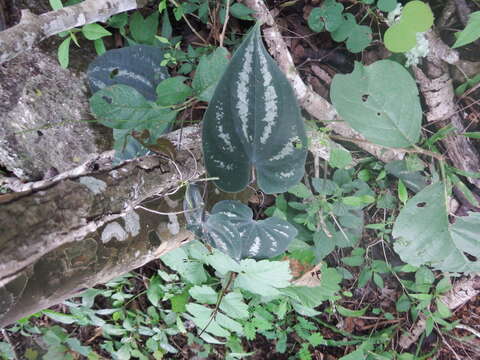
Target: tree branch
<point x="34" y="28"/>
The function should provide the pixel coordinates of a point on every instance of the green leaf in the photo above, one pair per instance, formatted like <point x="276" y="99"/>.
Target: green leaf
<point x="350" y="313"/>
<point x="136" y="66"/>
<point x="204" y="294"/>
<point x="144" y="30"/>
<point x="192" y="271"/>
<point x="424" y="235"/>
<point x="236" y="233"/>
<point x="254" y="120"/>
<point x="99" y="47"/>
<point x="414" y="180"/>
<point x="340" y="158"/>
<point x="209" y="71"/>
<point x="387" y="5"/>
<point x="345" y="30"/>
<point x="402" y="191"/>
<point x="56" y="4"/>
<point x="123" y="107"/>
<point x="241" y="11"/>
<point x="233" y="305"/>
<point x="403" y="303"/>
<point x="126" y="147"/>
<point x="471" y="31"/>
<point x="385" y="115"/>
<point x="179" y="302"/>
<point x="263" y="277"/>
<point x="62" y="318"/>
<point x="324" y="186"/>
<point x="64" y="52"/>
<point x="201" y="318"/>
<point x="154" y="290"/>
<point x="94" y="31"/>
<point x="443" y="309"/>
<point x="328" y="16"/>
<point x="416" y="17"/>
<point x="359" y="39"/>
<point x="173" y="91"/>
<point x="301" y="191"/>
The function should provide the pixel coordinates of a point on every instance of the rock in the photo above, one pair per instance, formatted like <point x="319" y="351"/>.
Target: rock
<point x="44" y="117"/>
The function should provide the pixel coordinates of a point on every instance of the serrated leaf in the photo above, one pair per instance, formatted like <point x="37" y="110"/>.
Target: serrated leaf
<point x="201" y="318"/>
<point x="424" y="235"/>
<point x="204" y="294"/>
<point x="123" y="107"/>
<point x="209" y="71"/>
<point x="233" y="305"/>
<point x="471" y="31"/>
<point x="94" y="31"/>
<point x="256" y="239"/>
<point x="136" y="66"/>
<point x="385" y="115"/>
<point x="253" y="120"/>
<point x="263" y="277"/>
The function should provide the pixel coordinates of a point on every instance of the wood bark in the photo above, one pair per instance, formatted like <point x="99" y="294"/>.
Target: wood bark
<point x="34" y="28"/>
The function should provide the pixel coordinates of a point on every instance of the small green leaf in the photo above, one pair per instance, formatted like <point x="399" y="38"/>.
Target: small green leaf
<point x="340" y="158"/>
<point x="233" y="305"/>
<point x="144" y="30"/>
<point x="359" y="39"/>
<point x="301" y="191"/>
<point x="471" y="31"/>
<point x="353" y="260"/>
<point x="99" y="46"/>
<point x="350" y="313"/>
<point x="208" y="72"/>
<point x="204" y="294"/>
<point x="94" y="31"/>
<point x="403" y="303"/>
<point x="402" y="191"/>
<point x="60" y="317"/>
<point x="56" y="4"/>
<point x="387" y="5"/>
<point x="179" y="302"/>
<point x="64" y="52"/>
<point x="173" y="91"/>
<point x="443" y="309"/>
<point x="241" y="11"/>
<point x="324" y="186"/>
<point x="154" y="290"/>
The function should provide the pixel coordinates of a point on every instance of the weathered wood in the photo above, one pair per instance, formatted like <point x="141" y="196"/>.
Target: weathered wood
<point x="34" y="28"/>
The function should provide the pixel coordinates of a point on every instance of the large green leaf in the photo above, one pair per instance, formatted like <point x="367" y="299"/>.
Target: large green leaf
<point x="254" y="120"/>
<point x="136" y="66"/>
<point x="381" y="102"/>
<point x="425" y="236"/>
<point x="256" y="239"/>
<point x="123" y="107"/>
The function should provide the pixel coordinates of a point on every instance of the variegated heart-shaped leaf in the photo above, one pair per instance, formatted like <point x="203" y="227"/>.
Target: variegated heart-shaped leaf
<point x="260" y="239"/>
<point x="223" y="235"/>
<point x="253" y="120"/>
<point x="136" y="66"/>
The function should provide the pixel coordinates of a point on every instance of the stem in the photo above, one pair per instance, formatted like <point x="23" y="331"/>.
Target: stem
<point x="222" y="35"/>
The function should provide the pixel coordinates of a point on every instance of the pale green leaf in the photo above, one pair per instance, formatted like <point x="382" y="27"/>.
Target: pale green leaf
<point x="425" y="236"/>
<point x="233" y="305"/>
<point x="385" y="115"/>
<point x="94" y="31"/>
<point x="204" y="294"/>
<point x="64" y="52"/>
<point x="471" y="31"/>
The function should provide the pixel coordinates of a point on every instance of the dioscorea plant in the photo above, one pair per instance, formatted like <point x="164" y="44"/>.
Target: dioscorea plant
<point x="253" y="120"/>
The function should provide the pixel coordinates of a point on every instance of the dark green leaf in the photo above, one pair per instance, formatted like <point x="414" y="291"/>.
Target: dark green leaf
<point x="173" y="91"/>
<point x="209" y="71"/>
<point x="254" y="120"/>
<point x="144" y="30"/>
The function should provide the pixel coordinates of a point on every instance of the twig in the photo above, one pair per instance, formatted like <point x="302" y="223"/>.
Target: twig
<point x="227" y="16"/>
<point x="470" y="329"/>
<point x="190" y="25"/>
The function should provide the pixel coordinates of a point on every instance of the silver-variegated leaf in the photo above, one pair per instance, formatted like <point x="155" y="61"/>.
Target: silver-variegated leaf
<point x="136" y="66"/>
<point x="253" y="120"/>
<point x="261" y="239"/>
<point x="223" y="235"/>
<point x="194" y="208"/>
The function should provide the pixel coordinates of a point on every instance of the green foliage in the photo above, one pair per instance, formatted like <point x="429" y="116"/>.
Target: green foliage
<point x="430" y="239"/>
<point x="242" y="129"/>
<point x="416" y="17"/>
<point x="385" y="115"/>
<point x="471" y="31"/>
<point x="343" y="27"/>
